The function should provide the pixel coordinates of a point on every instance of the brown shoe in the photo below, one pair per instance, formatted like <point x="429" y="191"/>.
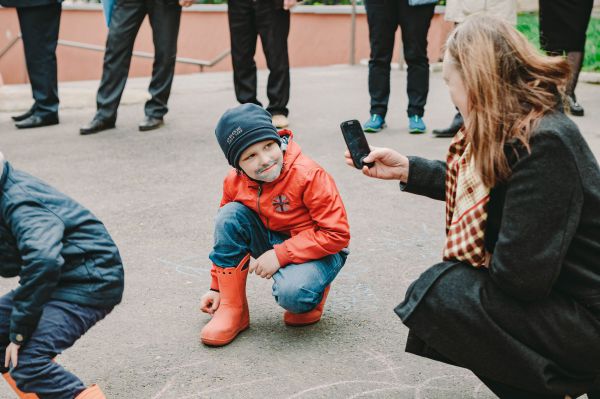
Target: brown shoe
<point x="307" y="318"/>
<point x="280" y="121"/>
<point x="232" y="316"/>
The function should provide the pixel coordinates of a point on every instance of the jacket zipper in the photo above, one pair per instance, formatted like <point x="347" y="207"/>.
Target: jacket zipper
<point x="258" y="204"/>
<point x="258" y="198"/>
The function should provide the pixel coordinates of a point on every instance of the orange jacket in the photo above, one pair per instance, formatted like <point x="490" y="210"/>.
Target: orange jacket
<point x="302" y="202"/>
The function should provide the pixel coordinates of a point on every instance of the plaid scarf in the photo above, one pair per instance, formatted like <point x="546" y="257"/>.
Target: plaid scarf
<point x="466" y="206"/>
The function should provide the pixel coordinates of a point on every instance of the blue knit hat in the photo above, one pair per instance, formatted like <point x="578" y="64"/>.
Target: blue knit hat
<point x="242" y="126"/>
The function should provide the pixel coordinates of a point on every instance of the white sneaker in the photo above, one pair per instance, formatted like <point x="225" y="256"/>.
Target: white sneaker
<point x="280" y="121"/>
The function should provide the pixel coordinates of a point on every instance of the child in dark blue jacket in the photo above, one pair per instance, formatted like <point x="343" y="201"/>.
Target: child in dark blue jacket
<point x="70" y="277"/>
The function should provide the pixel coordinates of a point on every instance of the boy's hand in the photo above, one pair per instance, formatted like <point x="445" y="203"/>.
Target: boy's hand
<point x="389" y="164"/>
<point x="186" y="3"/>
<point x="265" y="265"/>
<point x="210" y="301"/>
<point x="12" y="355"/>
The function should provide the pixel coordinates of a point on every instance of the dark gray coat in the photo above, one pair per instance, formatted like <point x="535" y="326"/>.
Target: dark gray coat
<point x="532" y="320"/>
<point x="59" y="250"/>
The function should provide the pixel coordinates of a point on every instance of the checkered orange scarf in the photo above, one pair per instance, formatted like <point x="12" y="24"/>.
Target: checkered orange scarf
<point x="466" y="205"/>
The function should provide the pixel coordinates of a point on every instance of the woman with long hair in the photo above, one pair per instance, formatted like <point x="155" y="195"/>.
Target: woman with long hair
<point x="517" y="296"/>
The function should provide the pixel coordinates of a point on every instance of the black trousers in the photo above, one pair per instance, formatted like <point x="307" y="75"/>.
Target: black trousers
<point x="384" y="17"/>
<point x="267" y="19"/>
<point x="39" y="30"/>
<point x="127" y="17"/>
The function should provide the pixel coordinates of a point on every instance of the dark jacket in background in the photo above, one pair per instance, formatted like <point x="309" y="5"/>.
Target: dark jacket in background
<point x="532" y="320"/>
<point x="27" y="3"/>
<point x="59" y="250"/>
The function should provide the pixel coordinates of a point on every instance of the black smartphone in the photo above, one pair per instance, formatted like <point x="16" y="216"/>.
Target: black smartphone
<point x="356" y="142"/>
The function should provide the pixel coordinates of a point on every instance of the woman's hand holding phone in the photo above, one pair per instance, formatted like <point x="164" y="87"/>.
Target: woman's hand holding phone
<point x="389" y="164"/>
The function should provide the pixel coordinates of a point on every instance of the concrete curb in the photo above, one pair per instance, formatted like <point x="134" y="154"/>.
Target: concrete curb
<point x="590" y="77"/>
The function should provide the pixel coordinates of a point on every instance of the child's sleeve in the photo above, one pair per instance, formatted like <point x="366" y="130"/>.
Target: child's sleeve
<point x="38" y="233"/>
<point x="330" y="233"/>
<point x="226" y="197"/>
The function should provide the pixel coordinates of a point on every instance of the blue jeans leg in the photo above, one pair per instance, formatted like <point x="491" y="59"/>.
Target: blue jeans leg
<point x="5" y="311"/>
<point x="299" y="287"/>
<point x="61" y="324"/>
<point x="296" y="287"/>
<point x="238" y="230"/>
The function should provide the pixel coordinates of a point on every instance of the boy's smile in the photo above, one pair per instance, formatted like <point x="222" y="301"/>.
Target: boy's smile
<point x="262" y="161"/>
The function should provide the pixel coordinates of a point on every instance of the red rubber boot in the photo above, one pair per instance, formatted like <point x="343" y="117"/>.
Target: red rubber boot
<point x="310" y="317"/>
<point x="232" y="316"/>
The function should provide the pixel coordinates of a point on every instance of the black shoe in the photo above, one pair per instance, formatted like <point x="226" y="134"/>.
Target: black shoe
<point x="22" y="117"/>
<point x="150" y="123"/>
<point x="37" y="121"/>
<point x="574" y="107"/>
<point x="593" y="395"/>
<point x="450" y="131"/>
<point x="96" y="125"/>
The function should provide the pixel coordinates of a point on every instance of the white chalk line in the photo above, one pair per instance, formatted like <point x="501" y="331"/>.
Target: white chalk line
<point x="170" y="369"/>
<point x="384" y="359"/>
<point x="199" y="394"/>
<point x="394" y="388"/>
<point x="168" y="385"/>
<point x="325" y="386"/>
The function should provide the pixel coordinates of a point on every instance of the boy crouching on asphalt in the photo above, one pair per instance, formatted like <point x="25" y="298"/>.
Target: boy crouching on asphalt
<point x="281" y="216"/>
<point x="70" y="277"/>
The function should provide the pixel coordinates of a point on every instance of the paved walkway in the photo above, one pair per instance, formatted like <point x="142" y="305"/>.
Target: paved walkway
<point x="157" y="193"/>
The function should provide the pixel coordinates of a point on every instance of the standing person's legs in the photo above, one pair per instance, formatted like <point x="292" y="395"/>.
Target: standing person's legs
<point x="165" y="16"/>
<point x="125" y="23"/>
<point x="273" y="25"/>
<point x="456" y="124"/>
<point x="61" y="324"/>
<point x="575" y="55"/>
<point x="563" y="26"/>
<point x="382" y="19"/>
<point x="243" y="34"/>
<point x="39" y="27"/>
<point x="414" y="25"/>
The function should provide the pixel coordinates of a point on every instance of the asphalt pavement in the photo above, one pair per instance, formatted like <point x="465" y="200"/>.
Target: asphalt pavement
<point x="157" y="192"/>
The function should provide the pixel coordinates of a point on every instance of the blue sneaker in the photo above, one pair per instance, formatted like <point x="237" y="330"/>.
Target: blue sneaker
<point x="416" y="125"/>
<point x="375" y="124"/>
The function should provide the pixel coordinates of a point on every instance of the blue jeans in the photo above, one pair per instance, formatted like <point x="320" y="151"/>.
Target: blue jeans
<point x="296" y="287"/>
<point x="60" y="325"/>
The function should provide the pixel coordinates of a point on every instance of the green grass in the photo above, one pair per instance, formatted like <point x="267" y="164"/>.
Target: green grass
<point x="528" y="24"/>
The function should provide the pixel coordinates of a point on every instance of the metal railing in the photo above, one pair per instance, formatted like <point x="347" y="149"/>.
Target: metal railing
<point x="140" y="54"/>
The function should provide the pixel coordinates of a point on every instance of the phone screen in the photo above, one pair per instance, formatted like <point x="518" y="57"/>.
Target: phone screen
<point x="356" y="142"/>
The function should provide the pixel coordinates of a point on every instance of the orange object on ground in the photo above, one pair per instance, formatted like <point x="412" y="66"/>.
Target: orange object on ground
<point x="232" y="316"/>
<point x="310" y="317"/>
<point x="13" y="385"/>
<point x="93" y="392"/>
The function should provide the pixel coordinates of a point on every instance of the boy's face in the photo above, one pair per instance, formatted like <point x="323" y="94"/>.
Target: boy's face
<point x="262" y="161"/>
